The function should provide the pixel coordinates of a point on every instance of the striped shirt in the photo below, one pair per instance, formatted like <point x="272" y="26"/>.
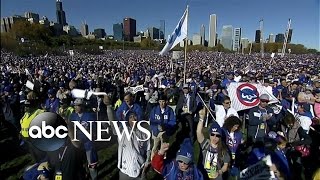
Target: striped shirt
<point x="133" y="154"/>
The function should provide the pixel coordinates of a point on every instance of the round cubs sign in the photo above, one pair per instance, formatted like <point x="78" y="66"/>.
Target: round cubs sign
<point x="248" y="94"/>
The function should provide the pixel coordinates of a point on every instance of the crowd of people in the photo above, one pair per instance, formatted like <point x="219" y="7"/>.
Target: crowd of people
<point x="184" y="108"/>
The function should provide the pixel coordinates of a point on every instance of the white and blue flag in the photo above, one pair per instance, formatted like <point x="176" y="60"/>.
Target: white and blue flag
<point x="178" y="35"/>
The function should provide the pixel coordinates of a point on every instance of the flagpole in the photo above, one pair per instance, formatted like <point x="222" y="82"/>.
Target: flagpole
<point x="185" y="51"/>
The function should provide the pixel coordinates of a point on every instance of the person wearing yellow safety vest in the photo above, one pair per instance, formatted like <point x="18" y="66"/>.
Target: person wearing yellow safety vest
<point x="31" y="111"/>
<point x="65" y="110"/>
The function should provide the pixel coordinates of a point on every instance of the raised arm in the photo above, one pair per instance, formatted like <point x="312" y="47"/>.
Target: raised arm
<point x="200" y="136"/>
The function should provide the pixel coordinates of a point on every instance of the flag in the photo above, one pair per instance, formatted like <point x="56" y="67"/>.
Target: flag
<point x="178" y="35"/>
<point x="246" y="95"/>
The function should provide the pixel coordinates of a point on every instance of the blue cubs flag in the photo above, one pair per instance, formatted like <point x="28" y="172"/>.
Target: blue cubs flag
<point x="178" y="35"/>
<point x="246" y="95"/>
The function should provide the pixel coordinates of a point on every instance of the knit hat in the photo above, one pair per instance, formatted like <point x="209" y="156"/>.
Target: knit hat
<point x="215" y="128"/>
<point x="185" y="154"/>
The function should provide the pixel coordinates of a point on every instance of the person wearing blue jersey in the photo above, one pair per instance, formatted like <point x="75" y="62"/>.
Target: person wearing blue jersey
<point x="162" y="121"/>
<point x="128" y="105"/>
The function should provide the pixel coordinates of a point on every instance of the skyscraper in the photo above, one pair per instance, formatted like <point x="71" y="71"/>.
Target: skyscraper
<point x="244" y="42"/>
<point x="279" y="38"/>
<point x="84" y="29"/>
<point x="118" y="32"/>
<point x="202" y="34"/>
<point x="212" y="30"/>
<point x="162" y="29"/>
<point x="154" y="33"/>
<point x="61" y="16"/>
<point x="226" y="38"/>
<point x="99" y="33"/>
<point x="271" y="38"/>
<point x="258" y="36"/>
<point x="129" y="28"/>
<point x="196" y="39"/>
<point x="237" y="39"/>
<point x="289" y="36"/>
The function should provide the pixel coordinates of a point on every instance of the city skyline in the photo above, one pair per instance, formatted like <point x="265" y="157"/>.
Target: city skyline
<point x="97" y="14"/>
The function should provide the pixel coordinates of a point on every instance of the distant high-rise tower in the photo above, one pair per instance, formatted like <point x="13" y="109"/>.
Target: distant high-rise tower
<point x="226" y="38"/>
<point x="162" y="29"/>
<point x="99" y="33"/>
<point x="271" y="38"/>
<point x="258" y="36"/>
<point x="289" y="36"/>
<point x="129" y="28"/>
<point x="61" y="15"/>
<point x="118" y="32"/>
<point x="84" y="29"/>
<point x="212" y="30"/>
<point x="279" y="38"/>
<point x="202" y="34"/>
<point x="237" y="39"/>
<point x="154" y="33"/>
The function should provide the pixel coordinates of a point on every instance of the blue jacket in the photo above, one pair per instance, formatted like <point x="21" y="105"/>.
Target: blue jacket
<point x="84" y="118"/>
<point x="52" y="105"/>
<point x="88" y="145"/>
<point x="256" y="125"/>
<point x="279" y="158"/>
<point x="169" y="120"/>
<point x="124" y="109"/>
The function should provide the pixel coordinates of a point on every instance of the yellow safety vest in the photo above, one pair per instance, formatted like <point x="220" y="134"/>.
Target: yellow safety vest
<point x="65" y="113"/>
<point x="26" y="120"/>
<point x="118" y="104"/>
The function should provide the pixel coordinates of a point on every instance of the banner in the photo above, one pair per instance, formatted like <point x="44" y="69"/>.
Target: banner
<point x="134" y="90"/>
<point x="246" y="95"/>
<point x="260" y="170"/>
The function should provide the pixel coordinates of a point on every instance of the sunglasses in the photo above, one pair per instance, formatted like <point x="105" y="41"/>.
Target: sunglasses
<point x="182" y="162"/>
<point x="264" y="101"/>
<point x="216" y="135"/>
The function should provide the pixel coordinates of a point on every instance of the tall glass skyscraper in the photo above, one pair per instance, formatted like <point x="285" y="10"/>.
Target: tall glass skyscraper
<point x="118" y="32"/>
<point x="237" y="39"/>
<point x="227" y="34"/>
<point x="162" y="29"/>
<point x="129" y="28"/>
<point x="202" y="34"/>
<point x="61" y="15"/>
<point x="84" y="29"/>
<point x="212" y="30"/>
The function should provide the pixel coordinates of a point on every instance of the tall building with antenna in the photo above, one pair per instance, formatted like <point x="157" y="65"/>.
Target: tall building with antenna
<point x="61" y="15"/>
<point x="202" y="34"/>
<point x="84" y="29"/>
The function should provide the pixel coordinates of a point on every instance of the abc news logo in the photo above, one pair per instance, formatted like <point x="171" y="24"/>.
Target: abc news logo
<point x="40" y="129"/>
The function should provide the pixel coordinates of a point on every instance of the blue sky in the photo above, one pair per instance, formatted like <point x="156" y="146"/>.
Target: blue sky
<point x="239" y="13"/>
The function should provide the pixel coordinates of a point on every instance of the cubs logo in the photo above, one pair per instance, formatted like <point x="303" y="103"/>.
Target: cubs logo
<point x="248" y="94"/>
